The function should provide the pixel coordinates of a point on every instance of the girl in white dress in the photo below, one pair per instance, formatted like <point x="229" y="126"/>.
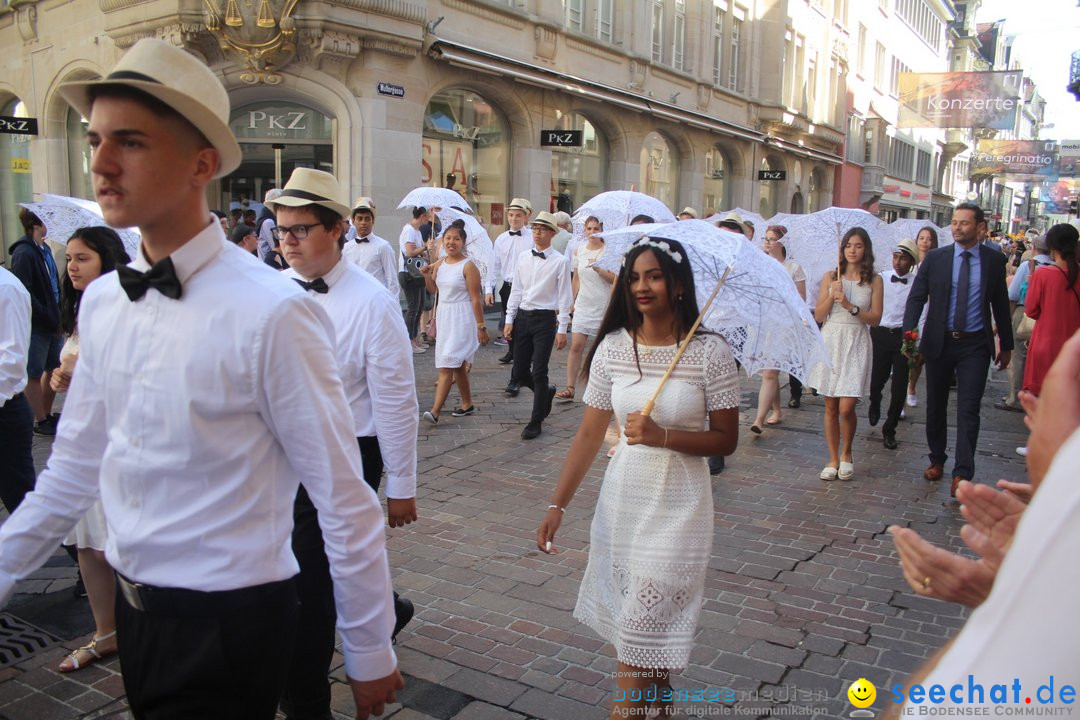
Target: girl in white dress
<point x="847" y="305"/>
<point x="769" y="394"/>
<point x="91" y="252"/>
<point x="460" y="319"/>
<point x="652" y="530"/>
<point x="592" y="290"/>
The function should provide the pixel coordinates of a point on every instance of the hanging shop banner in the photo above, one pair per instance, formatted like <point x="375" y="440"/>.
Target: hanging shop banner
<point x="960" y="99"/>
<point x="1018" y="159"/>
<point x="1069" y="158"/>
<point x="1056" y="197"/>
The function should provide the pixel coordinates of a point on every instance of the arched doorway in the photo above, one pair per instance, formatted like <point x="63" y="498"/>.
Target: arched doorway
<point x="466" y="146"/>
<point x="275" y="137"/>
<point x="659" y="169"/>
<point x="16" y="177"/>
<point x="577" y="173"/>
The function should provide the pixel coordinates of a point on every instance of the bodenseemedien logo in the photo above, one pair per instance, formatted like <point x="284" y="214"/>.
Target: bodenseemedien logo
<point x="862" y="694"/>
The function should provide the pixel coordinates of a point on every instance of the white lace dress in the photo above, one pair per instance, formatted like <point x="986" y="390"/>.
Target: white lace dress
<point x="847" y="339"/>
<point x="652" y="532"/>
<point x="593" y="292"/>
<point x="91" y="532"/>
<point x="455" y="341"/>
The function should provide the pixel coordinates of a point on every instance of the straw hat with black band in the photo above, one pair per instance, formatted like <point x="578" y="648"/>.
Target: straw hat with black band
<point x="179" y="80"/>
<point x="546" y="219"/>
<point x="364" y="204"/>
<point x="308" y="186"/>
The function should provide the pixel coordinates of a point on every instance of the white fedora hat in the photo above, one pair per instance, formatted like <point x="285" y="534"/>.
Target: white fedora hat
<point x="308" y="186"/>
<point x="178" y="79"/>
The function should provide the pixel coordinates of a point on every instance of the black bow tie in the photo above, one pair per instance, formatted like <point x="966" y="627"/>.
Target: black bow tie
<point x="537" y="253"/>
<point x="897" y="278"/>
<point x="318" y="285"/>
<point x="516" y="232"/>
<point x="161" y="276"/>
<point x="362" y="239"/>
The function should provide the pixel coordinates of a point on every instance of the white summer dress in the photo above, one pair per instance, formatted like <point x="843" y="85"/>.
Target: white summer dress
<point x="455" y="341"/>
<point x="593" y="292"/>
<point x="652" y="532"/>
<point x="847" y="339"/>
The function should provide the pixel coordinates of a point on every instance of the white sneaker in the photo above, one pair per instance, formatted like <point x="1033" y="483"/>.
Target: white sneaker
<point x="417" y="349"/>
<point x="1021" y="451"/>
<point x="913" y="400"/>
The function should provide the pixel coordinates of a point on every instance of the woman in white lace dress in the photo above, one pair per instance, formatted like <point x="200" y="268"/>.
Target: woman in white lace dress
<point x="91" y="252"/>
<point x="769" y="394"/>
<point x="652" y="531"/>
<point x="847" y="305"/>
<point x="459" y="318"/>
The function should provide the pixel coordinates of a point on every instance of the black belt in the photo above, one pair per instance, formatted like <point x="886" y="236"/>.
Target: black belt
<point x="538" y="312"/>
<point x="888" y="329"/>
<point x="958" y="335"/>
<point x="184" y="602"/>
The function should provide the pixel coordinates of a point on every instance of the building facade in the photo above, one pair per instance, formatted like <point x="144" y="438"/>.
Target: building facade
<point x="684" y="99"/>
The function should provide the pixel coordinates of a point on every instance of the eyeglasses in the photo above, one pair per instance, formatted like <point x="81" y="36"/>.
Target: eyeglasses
<point x="297" y="231"/>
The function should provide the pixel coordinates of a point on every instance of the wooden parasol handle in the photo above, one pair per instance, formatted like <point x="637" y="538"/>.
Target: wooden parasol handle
<point x="647" y="410"/>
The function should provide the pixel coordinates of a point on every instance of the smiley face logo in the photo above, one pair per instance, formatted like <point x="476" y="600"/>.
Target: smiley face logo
<point x="862" y="693"/>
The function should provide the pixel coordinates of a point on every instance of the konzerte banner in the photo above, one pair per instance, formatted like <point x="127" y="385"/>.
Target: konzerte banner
<point x="960" y="99"/>
<point x="1019" y="159"/>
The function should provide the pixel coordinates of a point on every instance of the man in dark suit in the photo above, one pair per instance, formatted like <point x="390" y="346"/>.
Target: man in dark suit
<point x="965" y="285"/>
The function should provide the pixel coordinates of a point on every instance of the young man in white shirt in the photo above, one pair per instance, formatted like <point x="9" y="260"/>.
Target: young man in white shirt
<point x="372" y="347"/>
<point x="206" y="391"/>
<point x="537" y="315"/>
<point x="508" y="248"/>
<point x="887" y="338"/>
<point x="16" y="417"/>
<point x="367" y="250"/>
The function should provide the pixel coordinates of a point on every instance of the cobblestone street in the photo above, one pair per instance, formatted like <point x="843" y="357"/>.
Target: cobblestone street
<point x="804" y="593"/>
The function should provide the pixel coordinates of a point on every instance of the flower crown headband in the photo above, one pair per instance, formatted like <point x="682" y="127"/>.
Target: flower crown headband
<point x="662" y="246"/>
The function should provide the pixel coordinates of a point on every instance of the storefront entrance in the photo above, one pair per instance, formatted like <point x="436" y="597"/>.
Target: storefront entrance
<point x="275" y="138"/>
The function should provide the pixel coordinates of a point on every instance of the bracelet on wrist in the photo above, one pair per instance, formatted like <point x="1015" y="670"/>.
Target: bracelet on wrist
<point x="556" y="507"/>
<point x="665" y="438"/>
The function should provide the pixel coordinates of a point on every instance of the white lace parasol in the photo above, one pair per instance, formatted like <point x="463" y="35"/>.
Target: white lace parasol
<point x="758" y="310"/>
<point x="478" y="245"/>
<point x="429" y="197"/>
<point x="64" y="215"/>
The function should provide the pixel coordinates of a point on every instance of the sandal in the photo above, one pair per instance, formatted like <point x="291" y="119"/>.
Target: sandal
<point x="89" y="649"/>
<point x="566" y="394"/>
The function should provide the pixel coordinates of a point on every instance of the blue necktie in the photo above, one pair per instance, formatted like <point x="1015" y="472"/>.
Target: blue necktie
<point x="962" y="285"/>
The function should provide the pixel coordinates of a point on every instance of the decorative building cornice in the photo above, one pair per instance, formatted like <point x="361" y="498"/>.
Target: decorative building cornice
<point x="547" y="42"/>
<point x="399" y="47"/>
<point x="474" y="8"/>
<point x="400" y="9"/>
<point x="587" y="47"/>
<point x="26" y="20"/>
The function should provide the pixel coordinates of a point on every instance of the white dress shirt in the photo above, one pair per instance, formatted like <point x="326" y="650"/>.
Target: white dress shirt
<point x="894" y="299"/>
<point x="199" y="417"/>
<point x="375" y="357"/>
<point x="409" y="234"/>
<point x="377" y="257"/>
<point x="542" y="284"/>
<point x="15" y="313"/>
<point x="508" y="249"/>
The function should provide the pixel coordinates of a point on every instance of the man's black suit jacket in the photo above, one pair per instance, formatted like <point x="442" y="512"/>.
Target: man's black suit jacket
<point x="934" y="281"/>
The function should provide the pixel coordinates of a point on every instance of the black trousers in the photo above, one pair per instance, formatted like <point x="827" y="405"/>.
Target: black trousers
<point x="795" y="387"/>
<point x="534" y="336"/>
<point x="969" y="360"/>
<point x="414" y="298"/>
<point x="16" y="459"/>
<point x="307" y="690"/>
<point x="888" y="360"/>
<point x="190" y="661"/>
<point x="504" y="297"/>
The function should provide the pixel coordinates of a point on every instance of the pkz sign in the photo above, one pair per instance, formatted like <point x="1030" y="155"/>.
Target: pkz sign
<point x="18" y="126"/>
<point x="772" y="175"/>
<point x="560" y="138"/>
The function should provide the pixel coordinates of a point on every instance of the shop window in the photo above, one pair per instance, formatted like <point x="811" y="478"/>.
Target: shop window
<point x="659" y="169"/>
<point x="577" y="173"/>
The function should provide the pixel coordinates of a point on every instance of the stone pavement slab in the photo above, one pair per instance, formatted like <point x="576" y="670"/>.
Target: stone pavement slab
<point x="804" y="593"/>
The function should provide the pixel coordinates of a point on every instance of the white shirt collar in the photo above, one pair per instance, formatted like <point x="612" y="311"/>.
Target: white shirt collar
<point x="193" y="255"/>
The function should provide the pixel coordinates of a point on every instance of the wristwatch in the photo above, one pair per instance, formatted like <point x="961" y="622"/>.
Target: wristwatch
<point x="854" y="310"/>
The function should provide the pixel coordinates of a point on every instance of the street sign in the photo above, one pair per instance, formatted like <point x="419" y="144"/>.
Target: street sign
<point x="390" y="89"/>
<point x="560" y="138"/>
<point x="772" y="174"/>
<point x="17" y="125"/>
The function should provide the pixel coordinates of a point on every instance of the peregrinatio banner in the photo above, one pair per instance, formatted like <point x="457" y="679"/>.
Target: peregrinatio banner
<point x="960" y="99"/>
<point x="1018" y="159"/>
